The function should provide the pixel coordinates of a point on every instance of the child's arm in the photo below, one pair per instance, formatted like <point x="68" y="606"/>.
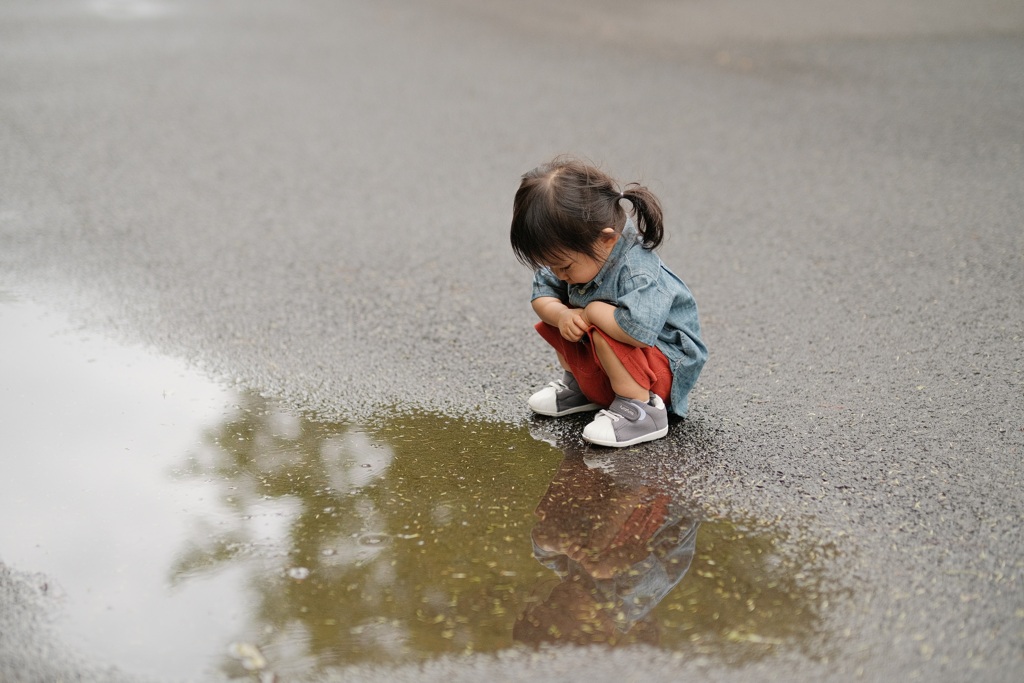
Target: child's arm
<point x="601" y="314"/>
<point x="570" y="321"/>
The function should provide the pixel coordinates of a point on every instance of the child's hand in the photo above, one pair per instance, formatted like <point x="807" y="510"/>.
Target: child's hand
<point x="573" y="324"/>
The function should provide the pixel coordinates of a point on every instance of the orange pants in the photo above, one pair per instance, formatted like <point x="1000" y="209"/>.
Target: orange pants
<point x="648" y="366"/>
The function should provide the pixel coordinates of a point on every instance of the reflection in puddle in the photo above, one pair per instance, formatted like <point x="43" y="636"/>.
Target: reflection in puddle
<point x="260" y="540"/>
<point x="620" y="540"/>
<point x="618" y="548"/>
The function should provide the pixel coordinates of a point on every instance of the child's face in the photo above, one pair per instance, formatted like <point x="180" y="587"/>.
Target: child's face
<point x="577" y="268"/>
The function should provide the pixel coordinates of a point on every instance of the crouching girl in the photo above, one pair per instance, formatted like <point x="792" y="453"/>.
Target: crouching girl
<point x="624" y="326"/>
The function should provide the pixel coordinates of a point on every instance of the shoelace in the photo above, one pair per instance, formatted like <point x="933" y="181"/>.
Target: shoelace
<point x="559" y="385"/>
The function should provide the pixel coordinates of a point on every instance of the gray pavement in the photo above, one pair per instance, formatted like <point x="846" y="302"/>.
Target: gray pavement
<point x="312" y="198"/>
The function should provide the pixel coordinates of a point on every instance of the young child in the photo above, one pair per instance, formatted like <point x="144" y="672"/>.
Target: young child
<point x="624" y="327"/>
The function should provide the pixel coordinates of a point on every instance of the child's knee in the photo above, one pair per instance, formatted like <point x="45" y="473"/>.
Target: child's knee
<point x="599" y="340"/>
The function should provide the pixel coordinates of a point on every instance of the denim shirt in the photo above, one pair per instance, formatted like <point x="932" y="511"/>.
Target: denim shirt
<point x="652" y="304"/>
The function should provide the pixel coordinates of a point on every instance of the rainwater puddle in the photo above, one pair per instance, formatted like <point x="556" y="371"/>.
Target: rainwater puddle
<point x="192" y="529"/>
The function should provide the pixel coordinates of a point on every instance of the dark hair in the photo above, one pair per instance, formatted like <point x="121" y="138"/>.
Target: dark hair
<point x="565" y="204"/>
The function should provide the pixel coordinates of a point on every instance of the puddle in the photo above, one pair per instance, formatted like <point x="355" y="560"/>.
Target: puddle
<point x="193" y="529"/>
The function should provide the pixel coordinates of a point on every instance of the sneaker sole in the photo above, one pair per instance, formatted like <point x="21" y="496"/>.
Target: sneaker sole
<point x="635" y="440"/>
<point x="568" y="411"/>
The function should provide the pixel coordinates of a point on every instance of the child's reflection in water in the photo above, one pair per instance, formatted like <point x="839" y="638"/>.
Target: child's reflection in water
<point x="618" y="546"/>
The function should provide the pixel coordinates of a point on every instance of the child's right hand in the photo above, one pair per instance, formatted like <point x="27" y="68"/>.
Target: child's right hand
<point x="572" y="324"/>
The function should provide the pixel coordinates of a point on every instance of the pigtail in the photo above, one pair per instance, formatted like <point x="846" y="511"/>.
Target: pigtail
<point x="648" y="214"/>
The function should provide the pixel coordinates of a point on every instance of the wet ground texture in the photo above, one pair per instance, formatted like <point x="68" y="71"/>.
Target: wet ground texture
<point x="285" y="546"/>
<point x="305" y="205"/>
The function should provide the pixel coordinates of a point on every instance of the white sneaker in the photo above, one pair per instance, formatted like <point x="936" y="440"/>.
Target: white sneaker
<point x="561" y="397"/>
<point x="628" y="421"/>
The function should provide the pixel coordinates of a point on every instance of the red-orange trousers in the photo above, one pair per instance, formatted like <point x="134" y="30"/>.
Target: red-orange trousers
<point x="648" y="366"/>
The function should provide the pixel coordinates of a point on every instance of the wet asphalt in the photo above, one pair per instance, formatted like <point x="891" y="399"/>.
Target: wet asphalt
<point x="311" y="199"/>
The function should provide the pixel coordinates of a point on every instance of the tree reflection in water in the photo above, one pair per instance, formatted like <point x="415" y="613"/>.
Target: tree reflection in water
<point x="397" y="543"/>
<point x="413" y="539"/>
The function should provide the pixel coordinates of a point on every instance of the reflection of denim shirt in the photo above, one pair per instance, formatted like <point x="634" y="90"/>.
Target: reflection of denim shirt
<point x="652" y="305"/>
<point x="632" y="593"/>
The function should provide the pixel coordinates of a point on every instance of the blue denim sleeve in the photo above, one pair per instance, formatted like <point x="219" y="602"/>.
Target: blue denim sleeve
<point x="642" y="308"/>
<point x="546" y="284"/>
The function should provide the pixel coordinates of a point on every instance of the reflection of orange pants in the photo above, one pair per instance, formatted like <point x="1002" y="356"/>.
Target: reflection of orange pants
<point x="648" y="366"/>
